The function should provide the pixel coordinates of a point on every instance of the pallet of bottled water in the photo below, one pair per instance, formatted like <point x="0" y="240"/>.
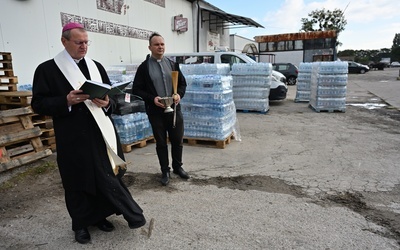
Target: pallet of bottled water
<point x="205" y="69"/>
<point x="132" y="127"/>
<point x="332" y="68"/>
<point x="331" y="79"/>
<point x="115" y="73"/>
<point x="329" y="86"/>
<point x="209" y="120"/>
<point x="251" y="86"/>
<point x="251" y="69"/>
<point x="24" y="87"/>
<point x="207" y="107"/>
<point x="209" y="97"/>
<point x="250" y="93"/>
<point x="210" y="126"/>
<point x="252" y="81"/>
<point x="208" y="89"/>
<point x="252" y="104"/>
<point x="208" y="82"/>
<point x="329" y="91"/>
<point x="321" y="104"/>
<point x="303" y="86"/>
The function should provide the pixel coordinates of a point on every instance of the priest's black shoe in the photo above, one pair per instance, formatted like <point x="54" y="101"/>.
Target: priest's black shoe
<point x="137" y="225"/>
<point x="165" y="178"/>
<point x="105" y="226"/>
<point x="181" y="173"/>
<point x="82" y="236"/>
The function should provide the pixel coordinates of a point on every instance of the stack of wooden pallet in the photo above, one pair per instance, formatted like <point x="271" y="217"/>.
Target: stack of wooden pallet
<point x="10" y="97"/>
<point x="8" y="81"/>
<point x="20" y="141"/>
<point x="24" y="136"/>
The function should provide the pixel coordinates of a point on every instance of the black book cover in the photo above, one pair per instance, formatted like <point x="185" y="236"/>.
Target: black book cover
<point x="100" y="90"/>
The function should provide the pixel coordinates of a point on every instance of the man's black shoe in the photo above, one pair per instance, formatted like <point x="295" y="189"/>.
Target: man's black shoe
<point x="165" y="178"/>
<point x="137" y="225"/>
<point x="105" y="226"/>
<point x="82" y="236"/>
<point x="181" y="173"/>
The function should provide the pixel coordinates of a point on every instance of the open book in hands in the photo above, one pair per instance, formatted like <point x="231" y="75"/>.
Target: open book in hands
<point x="100" y="90"/>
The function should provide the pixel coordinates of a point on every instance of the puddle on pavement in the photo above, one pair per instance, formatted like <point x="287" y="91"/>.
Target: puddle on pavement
<point x="368" y="105"/>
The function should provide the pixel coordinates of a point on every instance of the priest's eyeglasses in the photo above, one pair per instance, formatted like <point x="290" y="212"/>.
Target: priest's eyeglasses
<point x="80" y="43"/>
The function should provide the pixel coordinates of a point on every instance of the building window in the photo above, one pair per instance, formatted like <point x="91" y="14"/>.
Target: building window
<point x="308" y="44"/>
<point x="263" y="46"/>
<point x="329" y="43"/>
<point x="271" y="46"/>
<point x="289" y="45"/>
<point x="319" y="43"/>
<point x="322" y="58"/>
<point x="298" y="44"/>
<point x="281" y="46"/>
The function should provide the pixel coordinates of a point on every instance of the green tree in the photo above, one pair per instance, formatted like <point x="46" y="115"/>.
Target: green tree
<point x="321" y="20"/>
<point x="347" y="52"/>
<point x="395" y="52"/>
<point x="396" y="41"/>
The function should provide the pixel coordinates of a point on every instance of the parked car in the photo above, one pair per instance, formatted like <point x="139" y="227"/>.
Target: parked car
<point x="278" y="89"/>
<point x="377" y="65"/>
<point x="289" y="70"/>
<point x="395" y="64"/>
<point x="278" y="84"/>
<point x="355" y="67"/>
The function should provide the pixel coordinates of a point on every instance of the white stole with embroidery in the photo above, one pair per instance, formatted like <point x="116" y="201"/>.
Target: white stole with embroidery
<point x="76" y="78"/>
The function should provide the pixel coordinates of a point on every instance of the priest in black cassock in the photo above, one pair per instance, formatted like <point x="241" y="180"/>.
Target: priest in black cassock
<point x="89" y="154"/>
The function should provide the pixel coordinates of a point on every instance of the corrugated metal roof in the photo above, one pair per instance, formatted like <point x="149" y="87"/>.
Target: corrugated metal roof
<point x="296" y="36"/>
<point x="230" y="18"/>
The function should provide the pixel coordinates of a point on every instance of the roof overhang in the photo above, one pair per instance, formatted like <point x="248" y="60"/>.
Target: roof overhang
<point x="226" y="20"/>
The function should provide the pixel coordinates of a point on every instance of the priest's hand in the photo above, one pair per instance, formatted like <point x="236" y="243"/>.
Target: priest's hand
<point x="102" y="103"/>
<point x="157" y="102"/>
<point x="177" y="98"/>
<point x="76" y="96"/>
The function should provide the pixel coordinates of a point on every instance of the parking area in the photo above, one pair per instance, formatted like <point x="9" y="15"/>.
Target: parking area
<point x="296" y="179"/>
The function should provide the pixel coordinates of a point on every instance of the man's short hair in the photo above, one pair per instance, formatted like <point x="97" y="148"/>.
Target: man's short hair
<point x="153" y="35"/>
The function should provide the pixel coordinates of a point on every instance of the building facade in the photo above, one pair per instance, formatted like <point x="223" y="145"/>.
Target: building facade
<point x="298" y="47"/>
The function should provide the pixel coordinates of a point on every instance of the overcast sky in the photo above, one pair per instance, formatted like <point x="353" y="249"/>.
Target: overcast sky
<point x="371" y="24"/>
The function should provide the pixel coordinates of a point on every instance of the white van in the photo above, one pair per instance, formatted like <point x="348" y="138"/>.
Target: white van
<point x="278" y="85"/>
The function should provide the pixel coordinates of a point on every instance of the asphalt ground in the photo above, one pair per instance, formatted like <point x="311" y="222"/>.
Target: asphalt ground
<point x="293" y="179"/>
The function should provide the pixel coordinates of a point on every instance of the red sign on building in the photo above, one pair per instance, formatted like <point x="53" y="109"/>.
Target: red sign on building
<point x="180" y="24"/>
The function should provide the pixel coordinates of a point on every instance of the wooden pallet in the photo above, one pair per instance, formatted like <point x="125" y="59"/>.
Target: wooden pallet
<point x="7" y="87"/>
<point x="4" y="80"/>
<point x="329" y="110"/>
<point x="16" y="98"/>
<point x="42" y="121"/>
<point x="126" y="148"/>
<point x="252" y="111"/>
<point x="20" y="141"/>
<point x="45" y="123"/>
<point x="5" y="64"/>
<point x="301" y="100"/>
<point x="208" y="142"/>
<point x="8" y="82"/>
<point x="5" y="56"/>
<point x="7" y="72"/>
